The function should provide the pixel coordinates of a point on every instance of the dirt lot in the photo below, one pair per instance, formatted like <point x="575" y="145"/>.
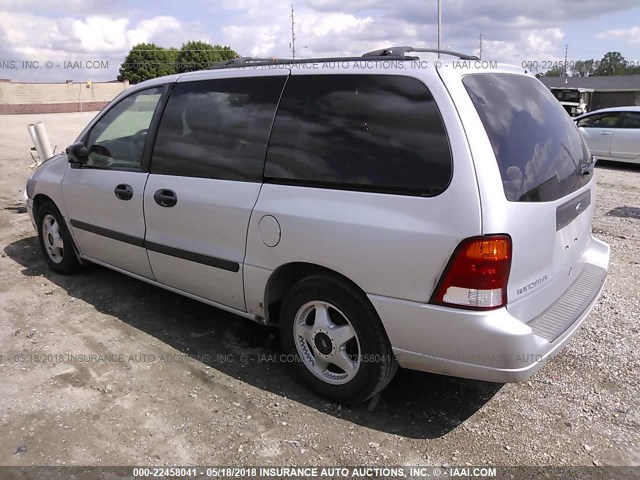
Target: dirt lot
<point x="186" y="384"/>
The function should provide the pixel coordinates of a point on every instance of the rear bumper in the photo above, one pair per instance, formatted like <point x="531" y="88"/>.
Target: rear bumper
<point x="492" y="346"/>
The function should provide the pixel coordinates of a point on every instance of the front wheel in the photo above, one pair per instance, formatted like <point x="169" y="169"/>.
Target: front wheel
<point x="55" y="241"/>
<point x="338" y="342"/>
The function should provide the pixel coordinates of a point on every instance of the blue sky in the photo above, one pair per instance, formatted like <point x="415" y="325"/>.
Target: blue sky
<point x="59" y="31"/>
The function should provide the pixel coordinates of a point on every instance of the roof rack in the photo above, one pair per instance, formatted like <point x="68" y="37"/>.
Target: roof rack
<point x="243" y="61"/>
<point x="402" y="51"/>
<point x="397" y="53"/>
<point x="240" y="62"/>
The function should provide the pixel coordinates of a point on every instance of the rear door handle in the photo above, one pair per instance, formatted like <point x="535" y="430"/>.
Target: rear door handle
<point x="165" y="198"/>
<point x="124" y="191"/>
<point x="605" y="133"/>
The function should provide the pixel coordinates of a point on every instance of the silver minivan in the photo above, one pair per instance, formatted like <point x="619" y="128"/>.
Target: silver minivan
<point x="380" y="211"/>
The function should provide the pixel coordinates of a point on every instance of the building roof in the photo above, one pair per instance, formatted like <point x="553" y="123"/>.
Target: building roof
<point x="613" y="83"/>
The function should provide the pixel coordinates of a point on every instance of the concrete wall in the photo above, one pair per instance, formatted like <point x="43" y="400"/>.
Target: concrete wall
<point x="16" y="98"/>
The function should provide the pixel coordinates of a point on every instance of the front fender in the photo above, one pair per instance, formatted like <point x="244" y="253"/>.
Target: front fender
<point x="47" y="180"/>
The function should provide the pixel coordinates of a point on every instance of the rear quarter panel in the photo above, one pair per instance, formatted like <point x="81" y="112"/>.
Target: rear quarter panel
<point x="389" y="245"/>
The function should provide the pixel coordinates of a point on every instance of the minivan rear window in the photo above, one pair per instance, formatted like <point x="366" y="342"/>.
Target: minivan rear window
<point x="539" y="150"/>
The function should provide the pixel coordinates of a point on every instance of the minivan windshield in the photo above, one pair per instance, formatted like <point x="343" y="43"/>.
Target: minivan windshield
<point x="540" y="152"/>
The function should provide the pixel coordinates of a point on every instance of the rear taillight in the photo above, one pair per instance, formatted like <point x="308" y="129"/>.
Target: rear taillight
<point x="477" y="274"/>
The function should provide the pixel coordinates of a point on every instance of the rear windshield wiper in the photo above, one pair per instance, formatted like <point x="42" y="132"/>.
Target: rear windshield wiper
<point x="533" y="194"/>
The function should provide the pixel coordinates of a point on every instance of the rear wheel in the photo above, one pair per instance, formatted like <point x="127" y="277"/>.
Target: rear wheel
<point x="55" y="241"/>
<point x="340" y="347"/>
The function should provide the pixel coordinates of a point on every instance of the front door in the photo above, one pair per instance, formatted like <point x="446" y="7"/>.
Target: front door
<point x="104" y="197"/>
<point x="598" y="130"/>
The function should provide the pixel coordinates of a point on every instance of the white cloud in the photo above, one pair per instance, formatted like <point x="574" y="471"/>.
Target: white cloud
<point x="335" y="24"/>
<point x="166" y="31"/>
<point x="512" y="31"/>
<point x="97" y="37"/>
<point x="540" y="42"/>
<point x="60" y="5"/>
<point x="630" y="35"/>
<point x="333" y="34"/>
<point x="95" y="34"/>
<point x="258" y="41"/>
<point x="334" y="28"/>
<point x="260" y="29"/>
<point x="325" y="34"/>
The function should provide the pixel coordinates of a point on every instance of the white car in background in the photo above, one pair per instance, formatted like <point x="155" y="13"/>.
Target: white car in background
<point x="612" y="133"/>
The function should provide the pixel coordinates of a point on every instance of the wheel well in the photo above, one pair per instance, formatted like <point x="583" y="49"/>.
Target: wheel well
<point x="285" y="277"/>
<point x="37" y="203"/>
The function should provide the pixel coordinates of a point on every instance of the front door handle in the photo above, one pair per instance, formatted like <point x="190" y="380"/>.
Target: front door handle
<point x="605" y="133"/>
<point x="124" y="191"/>
<point x="165" y="198"/>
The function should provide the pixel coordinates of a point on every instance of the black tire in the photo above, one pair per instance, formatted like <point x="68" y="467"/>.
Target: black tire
<point x="68" y="262"/>
<point x="377" y="364"/>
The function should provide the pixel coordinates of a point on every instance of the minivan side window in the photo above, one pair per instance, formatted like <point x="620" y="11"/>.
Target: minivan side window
<point x="378" y="133"/>
<point x="217" y="128"/>
<point x="117" y="139"/>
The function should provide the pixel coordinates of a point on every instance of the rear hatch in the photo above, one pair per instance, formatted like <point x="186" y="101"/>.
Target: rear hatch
<point x="535" y="176"/>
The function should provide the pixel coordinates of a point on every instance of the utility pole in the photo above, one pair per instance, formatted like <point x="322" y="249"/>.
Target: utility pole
<point x="566" y="57"/>
<point x="439" y="25"/>
<point x="293" y="35"/>
<point x="480" y="54"/>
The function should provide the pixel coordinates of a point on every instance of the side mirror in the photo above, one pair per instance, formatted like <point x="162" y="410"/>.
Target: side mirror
<point x="100" y="150"/>
<point x="78" y="153"/>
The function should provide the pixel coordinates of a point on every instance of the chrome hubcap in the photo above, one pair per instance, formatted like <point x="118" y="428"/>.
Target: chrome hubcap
<point x="326" y="342"/>
<point x="53" y="243"/>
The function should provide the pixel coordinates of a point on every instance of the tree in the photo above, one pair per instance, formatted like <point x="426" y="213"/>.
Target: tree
<point x="172" y="59"/>
<point x="148" y="60"/>
<point x="197" y="55"/>
<point x="613" y="63"/>
<point x="632" y="70"/>
<point x="584" y="68"/>
<point x="555" y="71"/>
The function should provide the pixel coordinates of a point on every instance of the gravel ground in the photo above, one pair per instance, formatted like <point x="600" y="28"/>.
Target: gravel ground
<point x="188" y="384"/>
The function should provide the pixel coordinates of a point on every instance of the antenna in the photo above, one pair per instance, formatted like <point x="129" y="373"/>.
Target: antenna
<point x="293" y="35"/>
<point x="566" y="53"/>
<point x="480" y="53"/>
<point x="439" y="25"/>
